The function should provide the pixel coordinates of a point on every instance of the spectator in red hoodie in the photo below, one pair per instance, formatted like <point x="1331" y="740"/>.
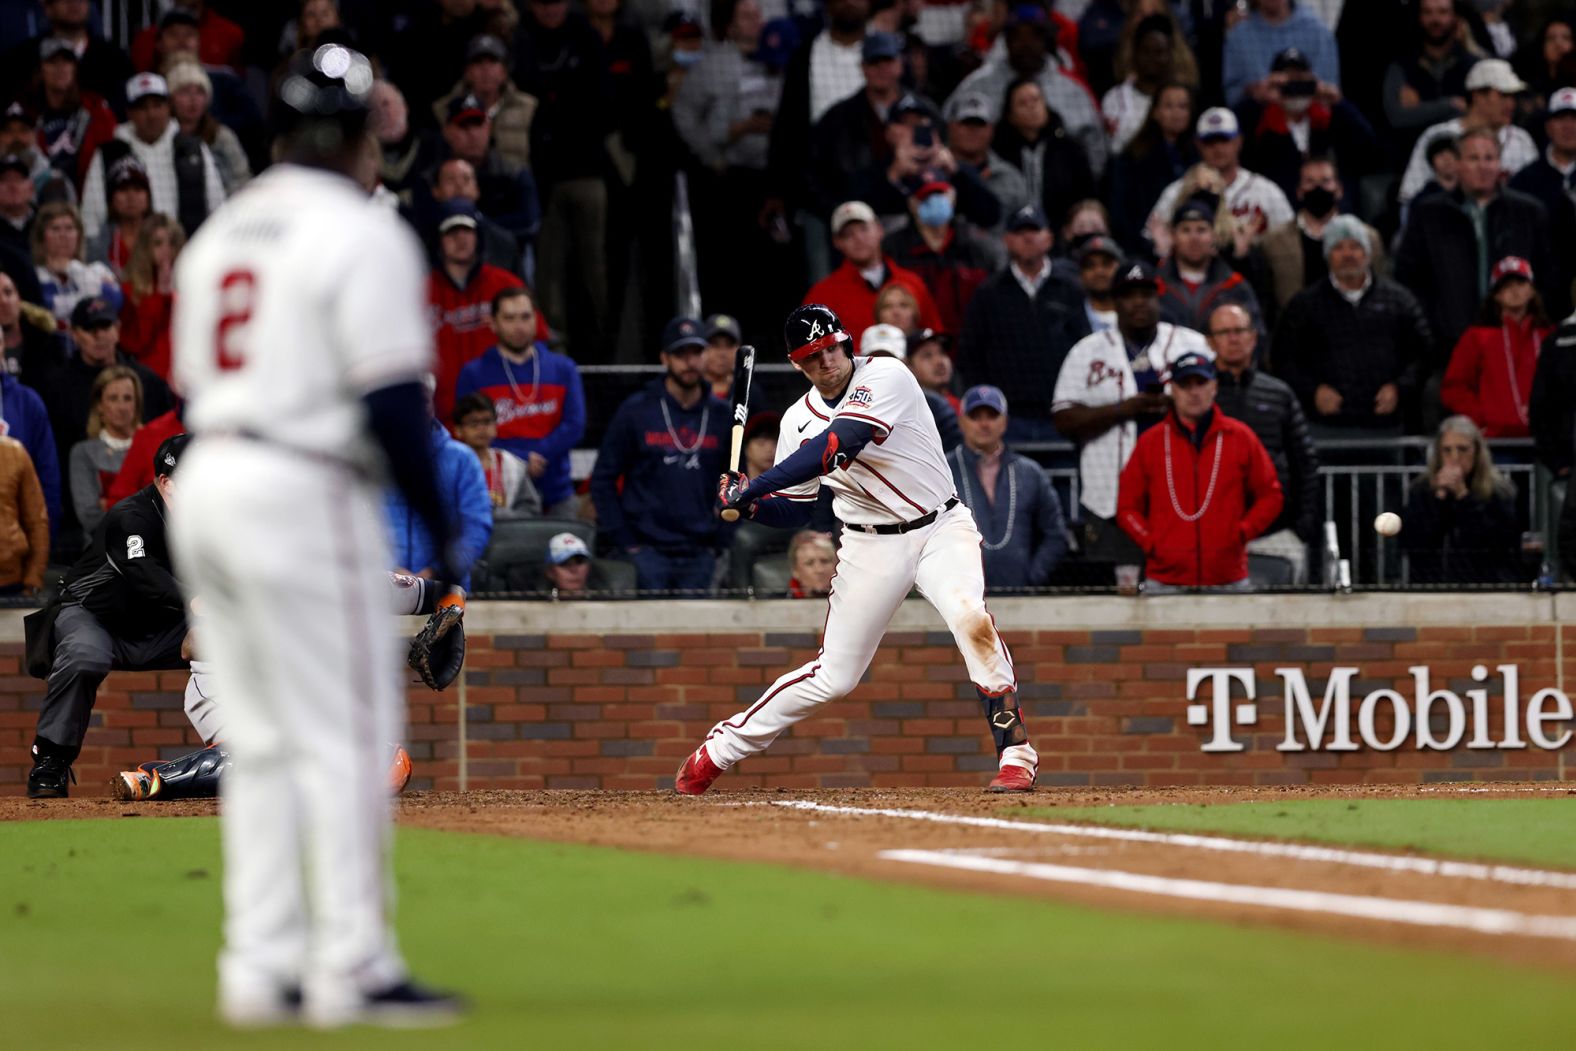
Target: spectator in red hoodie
<point x="460" y="291"/>
<point x="850" y="290"/>
<point x="145" y="316"/>
<point x="1197" y="488"/>
<point x="1490" y="375"/>
<point x="189" y="26"/>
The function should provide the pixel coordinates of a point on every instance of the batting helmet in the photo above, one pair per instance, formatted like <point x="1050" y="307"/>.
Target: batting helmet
<point x="812" y="328"/>
<point x="321" y="104"/>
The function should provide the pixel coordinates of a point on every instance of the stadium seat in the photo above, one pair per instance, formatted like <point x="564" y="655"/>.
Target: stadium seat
<point x="770" y="575"/>
<point x="751" y="543"/>
<point x="1270" y="571"/>
<point x="513" y="559"/>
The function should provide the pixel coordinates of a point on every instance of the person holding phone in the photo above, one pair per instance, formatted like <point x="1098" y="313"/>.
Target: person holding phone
<point x="1303" y="117"/>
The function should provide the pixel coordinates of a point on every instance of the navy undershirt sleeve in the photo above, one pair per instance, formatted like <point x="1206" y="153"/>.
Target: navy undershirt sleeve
<point x="835" y="447"/>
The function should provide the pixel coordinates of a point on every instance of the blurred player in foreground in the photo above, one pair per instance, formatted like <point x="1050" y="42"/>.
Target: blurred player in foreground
<point x="301" y="341"/>
<point x="867" y="433"/>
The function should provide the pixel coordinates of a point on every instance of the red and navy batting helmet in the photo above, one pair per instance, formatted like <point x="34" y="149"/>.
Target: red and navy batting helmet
<point x="812" y="328"/>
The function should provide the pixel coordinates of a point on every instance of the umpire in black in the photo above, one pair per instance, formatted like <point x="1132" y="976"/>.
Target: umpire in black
<point x="119" y="608"/>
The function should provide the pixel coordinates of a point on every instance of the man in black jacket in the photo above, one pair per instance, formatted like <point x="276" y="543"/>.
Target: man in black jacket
<point x="1452" y="239"/>
<point x="1550" y="177"/>
<point x="1270" y="407"/>
<point x="1352" y="346"/>
<point x="120" y="608"/>
<point x="1009" y="329"/>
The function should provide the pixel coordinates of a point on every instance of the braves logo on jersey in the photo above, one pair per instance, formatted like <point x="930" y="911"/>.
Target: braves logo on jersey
<point x="1099" y="372"/>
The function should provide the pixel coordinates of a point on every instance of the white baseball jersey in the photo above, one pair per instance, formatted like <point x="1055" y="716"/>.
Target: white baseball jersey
<point x="1097" y="372"/>
<point x="260" y="344"/>
<point x="902" y="473"/>
<point x="1249" y="196"/>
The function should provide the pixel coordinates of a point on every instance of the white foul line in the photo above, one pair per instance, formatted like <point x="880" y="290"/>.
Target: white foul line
<point x="1524" y="877"/>
<point x="1418" y="913"/>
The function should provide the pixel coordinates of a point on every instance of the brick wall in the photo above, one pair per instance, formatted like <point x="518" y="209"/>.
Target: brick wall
<point x="1106" y="706"/>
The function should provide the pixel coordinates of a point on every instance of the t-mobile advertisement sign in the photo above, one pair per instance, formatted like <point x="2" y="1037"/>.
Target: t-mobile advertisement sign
<point x="1223" y="699"/>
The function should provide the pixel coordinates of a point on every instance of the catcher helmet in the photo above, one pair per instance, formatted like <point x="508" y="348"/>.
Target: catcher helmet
<point x="812" y="328"/>
<point x="321" y="104"/>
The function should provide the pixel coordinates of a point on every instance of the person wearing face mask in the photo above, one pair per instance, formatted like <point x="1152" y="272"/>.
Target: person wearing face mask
<point x="1294" y="251"/>
<point x="945" y="250"/>
<point x="1301" y="117"/>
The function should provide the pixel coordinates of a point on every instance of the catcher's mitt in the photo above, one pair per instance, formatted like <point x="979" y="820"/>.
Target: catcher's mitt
<point x="438" y="649"/>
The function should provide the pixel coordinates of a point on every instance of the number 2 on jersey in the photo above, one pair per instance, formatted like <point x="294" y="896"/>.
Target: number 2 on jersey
<point x="237" y="290"/>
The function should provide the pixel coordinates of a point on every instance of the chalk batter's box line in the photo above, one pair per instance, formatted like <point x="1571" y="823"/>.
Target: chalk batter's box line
<point x="1390" y="910"/>
<point x="1517" y="876"/>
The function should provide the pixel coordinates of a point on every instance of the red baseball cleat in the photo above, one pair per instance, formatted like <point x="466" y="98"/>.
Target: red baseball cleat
<point x="697" y="773"/>
<point x="1012" y="778"/>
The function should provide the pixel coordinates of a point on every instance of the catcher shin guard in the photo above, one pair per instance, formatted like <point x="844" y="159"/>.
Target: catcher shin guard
<point x="192" y="776"/>
<point x="1006" y="722"/>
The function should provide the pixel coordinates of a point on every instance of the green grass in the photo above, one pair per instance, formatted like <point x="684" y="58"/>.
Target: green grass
<point x="109" y="930"/>
<point x="1533" y="831"/>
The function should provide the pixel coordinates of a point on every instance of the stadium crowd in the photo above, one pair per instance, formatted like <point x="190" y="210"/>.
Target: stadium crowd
<point x="1196" y="239"/>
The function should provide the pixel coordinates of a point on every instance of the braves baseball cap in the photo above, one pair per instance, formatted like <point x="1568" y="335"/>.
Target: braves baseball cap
<point x="466" y="107"/>
<point x="681" y="332"/>
<point x="1508" y="269"/>
<point x="1289" y="59"/>
<point x="933" y="180"/>
<point x="456" y="212"/>
<point x="907" y="105"/>
<point x="1193" y="210"/>
<point x="851" y="212"/>
<point x="1193" y="364"/>
<point x="1134" y="273"/>
<point x="681" y="25"/>
<point x="1494" y="74"/>
<point x="878" y="47"/>
<point x="1100" y="244"/>
<point x="884" y="339"/>
<point x="93" y="312"/>
<point x="13" y="162"/>
<point x="984" y="396"/>
<point x="1562" y="101"/>
<point x="17" y="112"/>
<point x="1029" y="217"/>
<point x="723" y="325"/>
<point x="483" y="46"/>
<point x="146" y="85"/>
<point x="926" y="335"/>
<point x="168" y="454"/>
<point x="565" y="546"/>
<point x="178" y="16"/>
<point x="1217" y="123"/>
<point x="1028" y="14"/>
<point x="763" y="423"/>
<point x="128" y="171"/>
<point x="57" y="47"/>
<point x="973" y="109"/>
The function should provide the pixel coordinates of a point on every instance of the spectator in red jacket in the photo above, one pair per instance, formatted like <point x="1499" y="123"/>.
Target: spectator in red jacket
<point x="189" y="26"/>
<point x="145" y="317"/>
<point x="945" y="250"/>
<point x="1197" y="488"/>
<point x="136" y="470"/>
<point x="850" y="290"/>
<point x="1490" y="373"/>
<point x="460" y="291"/>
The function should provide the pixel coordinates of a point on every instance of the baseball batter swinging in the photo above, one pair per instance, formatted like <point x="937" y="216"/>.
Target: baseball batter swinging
<point x="866" y="432"/>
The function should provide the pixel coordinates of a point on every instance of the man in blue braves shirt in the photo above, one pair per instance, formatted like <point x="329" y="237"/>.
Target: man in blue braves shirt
<point x="538" y="397"/>
<point x="655" y="479"/>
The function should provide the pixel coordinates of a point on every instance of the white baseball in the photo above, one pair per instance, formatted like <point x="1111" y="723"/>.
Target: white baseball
<point x="1387" y="524"/>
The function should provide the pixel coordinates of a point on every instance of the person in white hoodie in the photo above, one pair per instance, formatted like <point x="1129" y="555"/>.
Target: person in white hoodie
<point x="182" y="175"/>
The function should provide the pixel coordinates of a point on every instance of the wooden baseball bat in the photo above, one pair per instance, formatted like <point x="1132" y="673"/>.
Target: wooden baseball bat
<point x="743" y="376"/>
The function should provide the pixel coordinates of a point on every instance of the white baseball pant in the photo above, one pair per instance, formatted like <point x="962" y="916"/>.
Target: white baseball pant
<point x="286" y="554"/>
<point x="874" y="574"/>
